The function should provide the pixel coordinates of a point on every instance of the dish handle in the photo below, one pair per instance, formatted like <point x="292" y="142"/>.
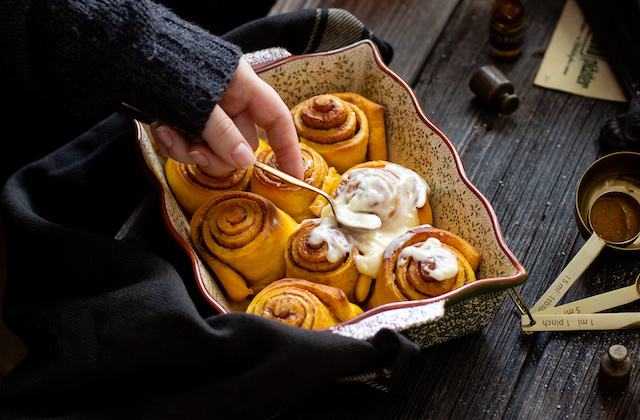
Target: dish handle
<point x="398" y="319"/>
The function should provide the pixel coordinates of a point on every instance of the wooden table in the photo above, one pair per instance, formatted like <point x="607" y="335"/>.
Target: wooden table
<point x="528" y="165"/>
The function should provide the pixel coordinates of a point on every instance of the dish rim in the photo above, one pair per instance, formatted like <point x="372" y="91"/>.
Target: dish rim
<point x="478" y="287"/>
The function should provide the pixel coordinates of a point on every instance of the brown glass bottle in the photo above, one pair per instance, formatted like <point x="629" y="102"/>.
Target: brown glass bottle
<point x="506" y="33"/>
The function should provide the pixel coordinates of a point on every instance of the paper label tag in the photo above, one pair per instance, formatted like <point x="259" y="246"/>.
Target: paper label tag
<point x="573" y="61"/>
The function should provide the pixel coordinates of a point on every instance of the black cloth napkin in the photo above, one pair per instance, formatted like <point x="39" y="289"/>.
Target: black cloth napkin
<point x="306" y="31"/>
<point x="117" y="329"/>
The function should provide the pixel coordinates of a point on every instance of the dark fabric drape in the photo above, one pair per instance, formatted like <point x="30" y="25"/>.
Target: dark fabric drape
<point x="116" y="329"/>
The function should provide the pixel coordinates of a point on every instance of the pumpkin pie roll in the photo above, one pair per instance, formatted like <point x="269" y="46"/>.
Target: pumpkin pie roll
<point x="338" y="127"/>
<point x="242" y="237"/>
<point x="325" y="254"/>
<point x="422" y="263"/>
<point x="292" y="199"/>
<point x="303" y="304"/>
<point x="192" y="187"/>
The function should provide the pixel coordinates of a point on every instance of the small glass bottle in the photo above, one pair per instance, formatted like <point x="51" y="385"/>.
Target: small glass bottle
<point x="506" y="33"/>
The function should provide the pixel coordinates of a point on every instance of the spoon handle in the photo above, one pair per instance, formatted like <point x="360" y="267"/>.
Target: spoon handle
<point x="582" y="322"/>
<point x="290" y="179"/>
<point x="598" y="303"/>
<point x="570" y="274"/>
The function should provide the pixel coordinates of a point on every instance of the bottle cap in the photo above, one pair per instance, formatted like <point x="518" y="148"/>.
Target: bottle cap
<point x="509" y="103"/>
<point x="618" y="353"/>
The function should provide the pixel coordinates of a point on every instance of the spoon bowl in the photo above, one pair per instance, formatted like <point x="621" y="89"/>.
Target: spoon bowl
<point x="614" y="220"/>
<point x="616" y="172"/>
<point x="615" y="217"/>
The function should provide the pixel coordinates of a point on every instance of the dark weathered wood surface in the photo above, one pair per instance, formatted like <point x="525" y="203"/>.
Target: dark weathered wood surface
<point x="528" y="165"/>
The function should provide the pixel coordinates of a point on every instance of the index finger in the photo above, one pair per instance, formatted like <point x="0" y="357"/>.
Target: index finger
<point x="247" y="92"/>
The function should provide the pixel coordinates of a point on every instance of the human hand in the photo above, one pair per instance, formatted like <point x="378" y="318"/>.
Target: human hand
<point x="230" y="134"/>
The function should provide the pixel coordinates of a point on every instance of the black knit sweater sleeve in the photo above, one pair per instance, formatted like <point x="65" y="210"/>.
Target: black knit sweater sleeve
<point x="90" y="56"/>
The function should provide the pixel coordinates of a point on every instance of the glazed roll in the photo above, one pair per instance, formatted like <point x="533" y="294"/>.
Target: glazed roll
<point x="192" y="187"/>
<point x="345" y="128"/>
<point x="294" y="200"/>
<point x="324" y="254"/>
<point x="422" y="263"/>
<point x="385" y="200"/>
<point x="242" y="237"/>
<point x="303" y="304"/>
<point x="392" y="192"/>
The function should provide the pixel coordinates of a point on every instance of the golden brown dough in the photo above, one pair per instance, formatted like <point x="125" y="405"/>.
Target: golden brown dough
<point x="294" y="200"/>
<point x="303" y="304"/>
<point x="192" y="187"/>
<point x="242" y="237"/>
<point x="422" y="263"/>
<point x="340" y="127"/>
<point x="308" y="257"/>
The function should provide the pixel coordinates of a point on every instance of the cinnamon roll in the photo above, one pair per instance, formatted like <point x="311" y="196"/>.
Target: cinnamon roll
<point x="340" y="127"/>
<point x="324" y="254"/>
<point x="394" y="197"/>
<point x="386" y="189"/>
<point x="192" y="187"/>
<point x="294" y="200"/>
<point x="303" y="304"/>
<point x="422" y="263"/>
<point x="242" y="237"/>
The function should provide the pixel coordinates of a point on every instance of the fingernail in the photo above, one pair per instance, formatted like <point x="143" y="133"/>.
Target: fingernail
<point x="163" y="136"/>
<point x="198" y="158"/>
<point x="243" y="156"/>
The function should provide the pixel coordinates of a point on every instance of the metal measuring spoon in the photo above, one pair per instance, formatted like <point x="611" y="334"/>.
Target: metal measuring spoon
<point x="343" y="216"/>
<point x="601" y="302"/>
<point x="582" y="314"/>
<point x="595" y="244"/>
<point x="583" y="322"/>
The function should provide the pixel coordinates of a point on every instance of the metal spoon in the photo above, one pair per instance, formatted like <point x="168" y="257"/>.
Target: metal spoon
<point x="582" y="314"/>
<point x="343" y="216"/>
<point x="589" y="251"/>
<point x="601" y="302"/>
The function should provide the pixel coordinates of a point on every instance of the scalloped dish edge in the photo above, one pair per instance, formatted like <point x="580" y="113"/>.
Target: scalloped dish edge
<point x="179" y="229"/>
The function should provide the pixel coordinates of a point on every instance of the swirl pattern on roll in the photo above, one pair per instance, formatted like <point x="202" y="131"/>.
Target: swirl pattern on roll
<point x="340" y="126"/>
<point x="294" y="200"/>
<point x="422" y="263"/>
<point x="242" y="237"/>
<point x="303" y="304"/>
<point x="324" y="255"/>
<point x="192" y="187"/>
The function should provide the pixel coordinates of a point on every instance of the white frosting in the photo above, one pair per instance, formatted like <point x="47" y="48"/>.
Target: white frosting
<point x="445" y="262"/>
<point x="369" y="196"/>
<point x="339" y="242"/>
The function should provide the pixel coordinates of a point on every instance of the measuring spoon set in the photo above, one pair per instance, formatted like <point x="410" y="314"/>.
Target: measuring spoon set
<point x="608" y="205"/>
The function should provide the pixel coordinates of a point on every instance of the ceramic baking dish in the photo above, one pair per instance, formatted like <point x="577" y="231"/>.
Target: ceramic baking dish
<point x="413" y="141"/>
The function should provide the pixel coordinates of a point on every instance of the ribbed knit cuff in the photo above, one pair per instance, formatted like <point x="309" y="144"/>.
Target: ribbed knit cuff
<point x="89" y="56"/>
<point x="181" y="79"/>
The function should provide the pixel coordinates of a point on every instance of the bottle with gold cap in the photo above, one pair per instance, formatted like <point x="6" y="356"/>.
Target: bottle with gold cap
<point x="506" y="33"/>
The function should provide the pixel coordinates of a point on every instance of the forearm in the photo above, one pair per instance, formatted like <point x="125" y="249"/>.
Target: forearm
<point x="88" y="57"/>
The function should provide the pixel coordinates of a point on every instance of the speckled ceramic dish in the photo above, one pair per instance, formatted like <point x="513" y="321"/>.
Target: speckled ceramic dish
<point x="413" y="141"/>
